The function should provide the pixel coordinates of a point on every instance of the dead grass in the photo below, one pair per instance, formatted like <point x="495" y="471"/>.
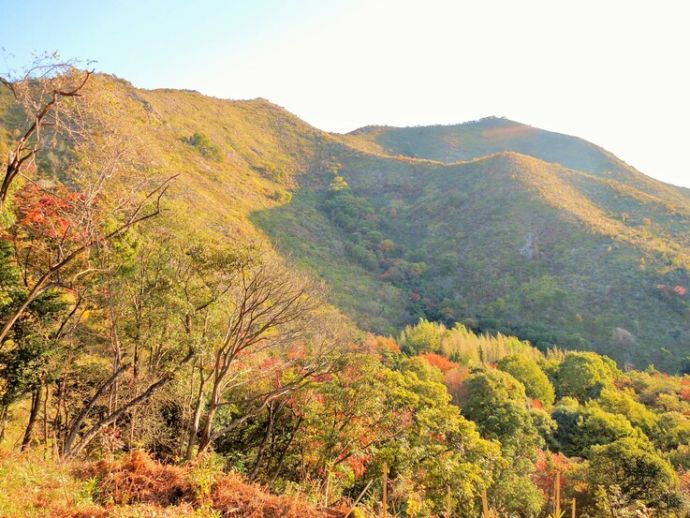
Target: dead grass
<point x="233" y="497"/>
<point x="137" y="478"/>
<point x="138" y="486"/>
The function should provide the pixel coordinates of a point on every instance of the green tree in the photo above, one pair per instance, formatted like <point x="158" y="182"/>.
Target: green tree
<point x="625" y="403"/>
<point x="582" y="427"/>
<point x="423" y="337"/>
<point x="498" y="404"/>
<point x="526" y="370"/>
<point x="496" y="401"/>
<point x="640" y="473"/>
<point x="583" y="375"/>
<point x="672" y="430"/>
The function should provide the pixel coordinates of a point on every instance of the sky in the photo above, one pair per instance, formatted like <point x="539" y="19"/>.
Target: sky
<point x="613" y="72"/>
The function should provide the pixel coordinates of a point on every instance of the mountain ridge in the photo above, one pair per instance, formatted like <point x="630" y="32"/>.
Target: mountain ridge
<point x="495" y="134"/>
<point x="503" y="241"/>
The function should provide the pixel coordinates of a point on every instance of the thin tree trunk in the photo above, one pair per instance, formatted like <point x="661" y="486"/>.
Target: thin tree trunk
<point x="57" y="420"/>
<point x="264" y="441"/>
<point x="207" y="433"/>
<point x="35" y="407"/>
<point x="117" y="351"/>
<point x="196" y="420"/>
<point x="71" y="451"/>
<point x="45" y="422"/>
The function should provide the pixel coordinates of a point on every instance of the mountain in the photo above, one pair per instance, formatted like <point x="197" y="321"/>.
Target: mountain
<point x="500" y="226"/>
<point x="494" y="134"/>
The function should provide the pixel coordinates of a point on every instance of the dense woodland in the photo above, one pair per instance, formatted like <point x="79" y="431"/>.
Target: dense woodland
<point x="153" y="363"/>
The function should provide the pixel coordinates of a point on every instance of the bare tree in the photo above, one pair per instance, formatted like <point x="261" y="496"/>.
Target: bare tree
<point x="39" y="91"/>
<point x="106" y="181"/>
<point x="267" y="311"/>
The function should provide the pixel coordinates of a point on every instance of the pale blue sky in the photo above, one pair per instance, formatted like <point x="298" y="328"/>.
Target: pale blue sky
<point x="613" y="72"/>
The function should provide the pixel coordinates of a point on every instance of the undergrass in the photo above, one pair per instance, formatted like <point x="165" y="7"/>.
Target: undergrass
<point x="138" y="486"/>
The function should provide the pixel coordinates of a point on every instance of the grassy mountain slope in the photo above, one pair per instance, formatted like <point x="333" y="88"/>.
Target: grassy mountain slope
<point x="259" y="148"/>
<point x="479" y="223"/>
<point x="491" y="135"/>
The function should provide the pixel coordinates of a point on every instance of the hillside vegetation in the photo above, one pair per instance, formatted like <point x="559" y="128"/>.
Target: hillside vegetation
<point x="582" y="250"/>
<point x="210" y="308"/>
<point x="594" y="258"/>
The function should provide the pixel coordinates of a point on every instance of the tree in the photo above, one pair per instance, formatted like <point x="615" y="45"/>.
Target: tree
<point x="641" y="474"/>
<point x="40" y="91"/>
<point x="369" y="413"/>
<point x="526" y="370"/>
<point x="594" y="426"/>
<point x="47" y="257"/>
<point x="266" y="310"/>
<point x="583" y="375"/>
<point x="159" y="301"/>
<point x="423" y="337"/>
<point x="624" y="402"/>
<point x="498" y="404"/>
<point x="672" y="431"/>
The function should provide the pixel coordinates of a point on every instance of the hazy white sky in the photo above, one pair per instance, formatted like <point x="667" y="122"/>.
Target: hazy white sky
<point x="613" y="72"/>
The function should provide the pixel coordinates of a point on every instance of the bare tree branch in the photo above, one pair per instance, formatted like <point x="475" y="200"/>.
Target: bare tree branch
<point x="43" y="281"/>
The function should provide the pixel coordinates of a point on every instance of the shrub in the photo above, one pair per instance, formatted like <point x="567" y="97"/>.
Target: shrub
<point x="137" y="478"/>
<point x="205" y="146"/>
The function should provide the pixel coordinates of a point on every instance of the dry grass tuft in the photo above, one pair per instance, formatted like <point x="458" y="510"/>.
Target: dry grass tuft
<point x="233" y="497"/>
<point x="137" y="478"/>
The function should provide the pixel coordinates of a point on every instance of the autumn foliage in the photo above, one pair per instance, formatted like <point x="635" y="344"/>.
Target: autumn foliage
<point x="380" y="344"/>
<point x="547" y="466"/>
<point x="47" y="213"/>
<point x="440" y="362"/>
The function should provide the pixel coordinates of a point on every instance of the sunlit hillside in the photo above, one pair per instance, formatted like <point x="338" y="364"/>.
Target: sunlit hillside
<point x="493" y="223"/>
<point x="211" y="308"/>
